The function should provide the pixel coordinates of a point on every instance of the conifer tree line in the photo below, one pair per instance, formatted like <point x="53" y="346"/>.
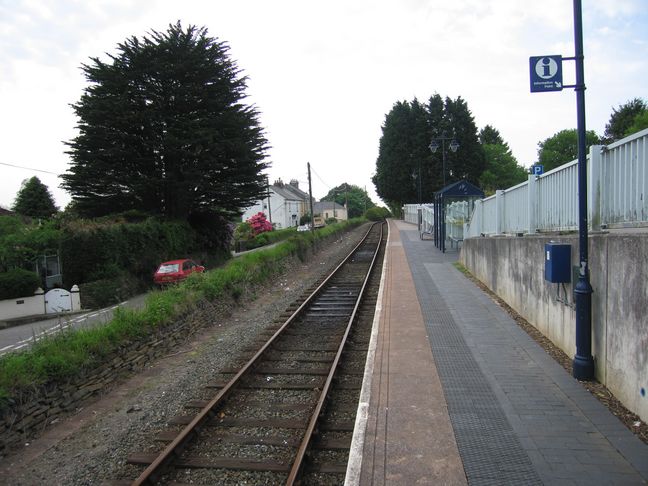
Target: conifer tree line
<point x="407" y="171"/>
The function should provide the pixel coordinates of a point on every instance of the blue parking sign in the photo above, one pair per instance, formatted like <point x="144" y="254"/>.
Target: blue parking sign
<point x="537" y="169"/>
<point x="545" y="73"/>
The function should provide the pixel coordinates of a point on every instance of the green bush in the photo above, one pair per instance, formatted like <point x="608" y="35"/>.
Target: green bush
<point x="18" y="283"/>
<point x="243" y="231"/>
<point x="377" y="213"/>
<point x="267" y="238"/>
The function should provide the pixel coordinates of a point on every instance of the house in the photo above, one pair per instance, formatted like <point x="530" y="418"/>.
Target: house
<point x="330" y="209"/>
<point x="284" y="206"/>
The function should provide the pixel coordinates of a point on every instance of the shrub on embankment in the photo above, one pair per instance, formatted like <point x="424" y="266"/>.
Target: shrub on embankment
<point x="70" y="354"/>
<point x="243" y="242"/>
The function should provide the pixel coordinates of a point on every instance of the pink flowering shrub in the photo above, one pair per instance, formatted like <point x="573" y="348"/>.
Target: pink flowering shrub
<point x="259" y="224"/>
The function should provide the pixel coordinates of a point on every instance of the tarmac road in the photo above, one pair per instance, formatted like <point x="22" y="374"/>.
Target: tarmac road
<point x="19" y="337"/>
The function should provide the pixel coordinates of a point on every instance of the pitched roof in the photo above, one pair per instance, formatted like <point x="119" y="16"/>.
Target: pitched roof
<point x="289" y="191"/>
<point x="320" y="206"/>
<point x="284" y="192"/>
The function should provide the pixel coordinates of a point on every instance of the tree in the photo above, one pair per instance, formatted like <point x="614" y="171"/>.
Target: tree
<point x="356" y="199"/>
<point x="163" y="129"/>
<point x="468" y="162"/>
<point x="406" y="170"/>
<point x="491" y="136"/>
<point x="640" y="123"/>
<point x="399" y="156"/>
<point x="562" y="147"/>
<point x="622" y="118"/>
<point x="34" y="200"/>
<point x="502" y="169"/>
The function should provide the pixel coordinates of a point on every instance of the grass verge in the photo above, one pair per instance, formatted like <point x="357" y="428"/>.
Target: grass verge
<point x="68" y="353"/>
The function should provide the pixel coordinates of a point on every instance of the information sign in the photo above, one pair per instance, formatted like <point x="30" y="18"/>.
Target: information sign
<point x="546" y="73"/>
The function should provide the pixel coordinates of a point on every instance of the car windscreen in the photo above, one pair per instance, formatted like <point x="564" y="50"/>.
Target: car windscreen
<point x="169" y="268"/>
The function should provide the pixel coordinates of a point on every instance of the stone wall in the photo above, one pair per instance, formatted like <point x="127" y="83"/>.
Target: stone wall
<point x="31" y="410"/>
<point x="513" y="268"/>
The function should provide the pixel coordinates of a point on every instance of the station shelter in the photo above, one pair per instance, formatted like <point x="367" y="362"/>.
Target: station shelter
<point x="453" y="206"/>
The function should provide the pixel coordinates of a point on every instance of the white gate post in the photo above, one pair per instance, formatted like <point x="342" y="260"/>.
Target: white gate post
<point x="76" y="298"/>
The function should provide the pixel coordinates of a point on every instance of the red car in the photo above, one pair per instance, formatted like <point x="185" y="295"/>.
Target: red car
<point x="175" y="271"/>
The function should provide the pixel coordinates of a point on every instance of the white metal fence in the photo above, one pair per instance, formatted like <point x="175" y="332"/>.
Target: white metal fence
<point x="617" y="181"/>
<point x="410" y="214"/>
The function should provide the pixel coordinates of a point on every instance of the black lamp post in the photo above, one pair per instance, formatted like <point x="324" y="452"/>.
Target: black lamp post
<point x="583" y="364"/>
<point x="439" y="229"/>
<point x="434" y="146"/>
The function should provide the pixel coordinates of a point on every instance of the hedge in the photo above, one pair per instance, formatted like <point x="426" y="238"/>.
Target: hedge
<point x="18" y="283"/>
<point x="95" y="252"/>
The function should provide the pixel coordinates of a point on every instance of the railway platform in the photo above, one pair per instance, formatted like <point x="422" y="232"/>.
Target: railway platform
<point x="456" y="393"/>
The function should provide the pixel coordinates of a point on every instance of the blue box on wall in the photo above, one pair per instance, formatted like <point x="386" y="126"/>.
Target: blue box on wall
<point x="558" y="262"/>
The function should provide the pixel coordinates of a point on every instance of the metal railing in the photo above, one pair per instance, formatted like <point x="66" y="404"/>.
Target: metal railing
<point x="617" y="184"/>
<point x="410" y="215"/>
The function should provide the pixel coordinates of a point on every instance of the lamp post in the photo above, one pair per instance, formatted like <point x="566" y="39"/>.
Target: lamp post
<point x="439" y="230"/>
<point x="434" y="146"/>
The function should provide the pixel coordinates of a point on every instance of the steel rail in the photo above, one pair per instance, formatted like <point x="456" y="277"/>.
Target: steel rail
<point x="312" y="425"/>
<point x="175" y="447"/>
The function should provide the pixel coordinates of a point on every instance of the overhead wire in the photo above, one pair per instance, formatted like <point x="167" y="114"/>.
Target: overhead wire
<point x="29" y="168"/>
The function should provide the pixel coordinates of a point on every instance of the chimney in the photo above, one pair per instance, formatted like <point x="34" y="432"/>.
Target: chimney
<point x="294" y="183"/>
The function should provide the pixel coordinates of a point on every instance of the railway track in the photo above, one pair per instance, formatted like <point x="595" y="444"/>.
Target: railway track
<point x="286" y="416"/>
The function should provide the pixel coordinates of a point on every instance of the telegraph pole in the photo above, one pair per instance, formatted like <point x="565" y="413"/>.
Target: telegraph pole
<point x="268" y="193"/>
<point x="310" y="196"/>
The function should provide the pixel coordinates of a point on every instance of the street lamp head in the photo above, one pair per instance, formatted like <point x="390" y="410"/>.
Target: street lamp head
<point x="434" y="146"/>
<point x="454" y="145"/>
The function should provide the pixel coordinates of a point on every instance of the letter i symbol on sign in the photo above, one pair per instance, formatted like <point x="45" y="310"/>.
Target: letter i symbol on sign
<point x="546" y="67"/>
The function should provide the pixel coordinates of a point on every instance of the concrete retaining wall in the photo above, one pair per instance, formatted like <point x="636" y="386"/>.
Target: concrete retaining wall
<point x="24" y="306"/>
<point x="513" y="268"/>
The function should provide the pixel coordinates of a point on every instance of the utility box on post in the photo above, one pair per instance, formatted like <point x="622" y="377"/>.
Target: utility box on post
<point x="558" y="262"/>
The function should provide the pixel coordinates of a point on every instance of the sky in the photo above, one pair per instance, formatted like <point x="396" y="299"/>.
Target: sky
<point x="323" y="74"/>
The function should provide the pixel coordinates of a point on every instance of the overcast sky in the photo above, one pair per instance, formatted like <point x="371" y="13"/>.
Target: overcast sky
<point x="324" y="74"/>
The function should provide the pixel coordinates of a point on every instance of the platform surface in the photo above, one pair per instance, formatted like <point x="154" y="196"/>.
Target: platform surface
<point x="456" y="393"/>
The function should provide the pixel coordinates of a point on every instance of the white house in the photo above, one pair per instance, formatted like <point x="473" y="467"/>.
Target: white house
<point x="283" y="207"/>
<point x="330" y="209"/>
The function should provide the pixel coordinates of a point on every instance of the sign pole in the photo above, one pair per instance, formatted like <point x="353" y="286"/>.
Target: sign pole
<point x="583" y="364"/>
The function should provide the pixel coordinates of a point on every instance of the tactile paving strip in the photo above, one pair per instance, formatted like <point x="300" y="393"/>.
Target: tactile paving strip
<point x="490" y="450"/>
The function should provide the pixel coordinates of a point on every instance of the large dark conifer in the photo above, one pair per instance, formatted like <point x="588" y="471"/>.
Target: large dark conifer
<point x="163" y="129"/>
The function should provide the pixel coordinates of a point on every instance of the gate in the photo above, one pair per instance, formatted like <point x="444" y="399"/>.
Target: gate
<point x="58" y="300"/>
